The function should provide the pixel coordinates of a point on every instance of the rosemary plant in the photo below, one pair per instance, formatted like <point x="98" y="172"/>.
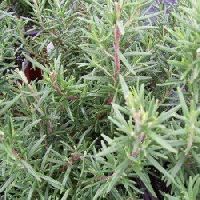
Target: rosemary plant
<point x="116" y="114"/>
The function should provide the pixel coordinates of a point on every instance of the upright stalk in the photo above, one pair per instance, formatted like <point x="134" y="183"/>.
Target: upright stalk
<point x="117" y="38"/>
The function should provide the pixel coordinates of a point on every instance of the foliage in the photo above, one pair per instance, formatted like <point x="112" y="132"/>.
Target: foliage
<point x="116" y="115"/>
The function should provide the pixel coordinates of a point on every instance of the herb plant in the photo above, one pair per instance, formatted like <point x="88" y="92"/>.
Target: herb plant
<point x="116" y="114"/>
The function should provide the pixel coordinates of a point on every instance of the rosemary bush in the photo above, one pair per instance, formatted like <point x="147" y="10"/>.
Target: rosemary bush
<point x="116" y="115"/>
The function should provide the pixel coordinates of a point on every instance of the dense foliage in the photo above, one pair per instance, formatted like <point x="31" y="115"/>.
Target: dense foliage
<point x="116" y="115"/>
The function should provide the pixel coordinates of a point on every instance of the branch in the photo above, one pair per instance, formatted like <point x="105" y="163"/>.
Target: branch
<point x="117" y="38"/>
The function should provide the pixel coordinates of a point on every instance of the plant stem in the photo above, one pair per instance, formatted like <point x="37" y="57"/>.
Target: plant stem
<point x="117" y="50"/>
<point x="117" y="38"/>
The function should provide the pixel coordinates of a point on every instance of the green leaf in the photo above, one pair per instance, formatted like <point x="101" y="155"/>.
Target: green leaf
<point x="30" y="194"/>
<point x="127" y="65"/>
<point x="31" y="125"/>
<point x="160" y="168"/>
<point x="9" y="104"/>
<point x="166" y="115"/>
<point x="166" y="49"/>
<point x="11" y="128"/>
<point x="124" y="87"/>
<point x="145" y="179"/>
<point x="65" y="196"/>
<point x="100" y="191"/>
<point x="36" y="64"/>
<point x="106" y="151"/>
<point x="36" y="146"/>
<point x="178" y="165"/>
<point x="162" y="142"/>
<point x="45" y="157"/>
<point x="137" y="53"/>
<point x="7" y="183"/>
<point x="30" y="170"/>
<point x="53" y="182"/>
<point x="183" y="103"/>
<point x="117" y="174"/>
